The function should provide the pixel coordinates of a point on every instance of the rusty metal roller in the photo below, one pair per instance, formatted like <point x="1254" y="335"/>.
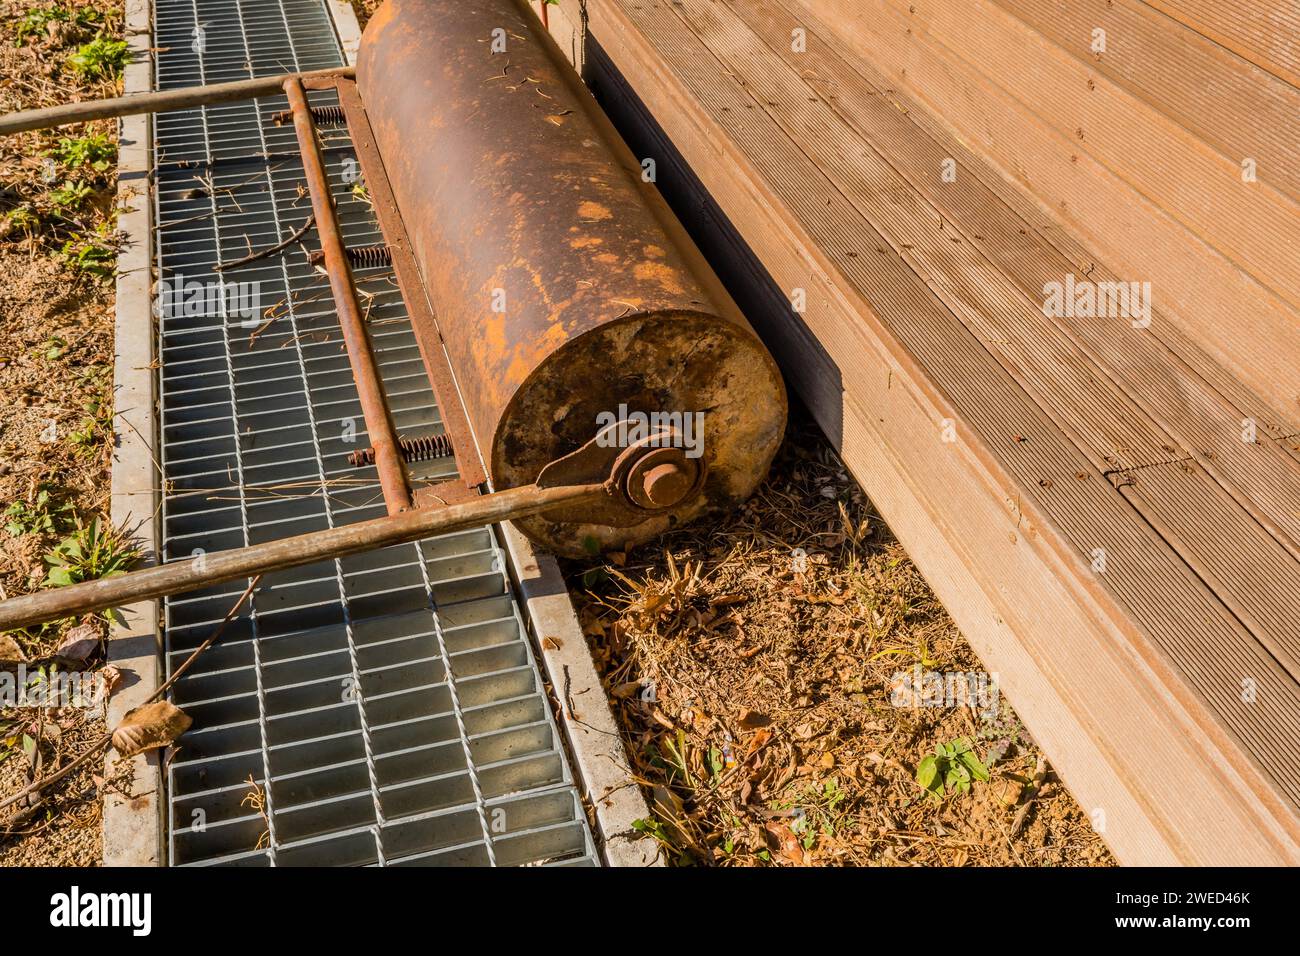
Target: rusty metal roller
<point x="565" y="290"/>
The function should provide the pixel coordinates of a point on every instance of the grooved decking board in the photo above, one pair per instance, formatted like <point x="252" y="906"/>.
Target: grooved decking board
<point x="868" y="191"/>
<point x="1242" y="402"/>
<point x="1193" y="420"/>
<point x="1265" y="32"/>
<point x="1230" y="103"/>
<point x="1257" y="578"/>
<point x="1239" y="322"/>
<point x="1251" y="224"/>
<point x="860" y="304"/>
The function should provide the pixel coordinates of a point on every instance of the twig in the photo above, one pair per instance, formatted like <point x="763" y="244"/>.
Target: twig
<point x="1040" y="774"/>
<point x="107" y="739"/>
<point x="253" y="257"/>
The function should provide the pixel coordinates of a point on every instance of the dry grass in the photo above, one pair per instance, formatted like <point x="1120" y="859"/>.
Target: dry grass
<point x="752" y="665"/>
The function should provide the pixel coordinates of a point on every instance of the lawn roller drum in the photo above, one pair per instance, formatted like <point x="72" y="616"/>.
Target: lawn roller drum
<point x="577" y="342"/>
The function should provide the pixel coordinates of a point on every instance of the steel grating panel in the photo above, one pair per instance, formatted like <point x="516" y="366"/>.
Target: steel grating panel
<point x="387" y="705"/>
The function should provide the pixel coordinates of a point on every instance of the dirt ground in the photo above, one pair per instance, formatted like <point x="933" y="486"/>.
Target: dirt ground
<point x="364" y="8"/>
<point x="56" y="354"/>
<point x="764" y="671"/>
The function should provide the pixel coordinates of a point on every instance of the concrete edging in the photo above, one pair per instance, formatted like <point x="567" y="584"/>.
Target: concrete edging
<point x="133" y="820"/>
<point x="346" y="27"/>
<point x="594" y="740"/>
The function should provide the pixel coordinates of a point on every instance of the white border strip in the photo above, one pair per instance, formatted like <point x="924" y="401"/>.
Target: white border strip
<point x="346" y="27"/>
<point x="594" y="739"/>
<point x="133" y="820"/>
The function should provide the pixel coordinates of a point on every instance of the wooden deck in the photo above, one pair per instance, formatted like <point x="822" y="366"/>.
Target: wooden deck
<point x="1110" y="512"/>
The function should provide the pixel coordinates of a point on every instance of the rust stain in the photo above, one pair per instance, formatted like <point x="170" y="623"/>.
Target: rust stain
<point x="662" y="273"/>
<point x="593" y="211"/>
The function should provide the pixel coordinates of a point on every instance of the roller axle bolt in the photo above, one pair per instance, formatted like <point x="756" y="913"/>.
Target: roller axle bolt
<point x="661" y="479"/>
<point x="667" y="484"/>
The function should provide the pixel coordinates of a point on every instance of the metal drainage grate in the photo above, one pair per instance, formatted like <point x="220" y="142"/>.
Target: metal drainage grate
<point x="386" y="707"/>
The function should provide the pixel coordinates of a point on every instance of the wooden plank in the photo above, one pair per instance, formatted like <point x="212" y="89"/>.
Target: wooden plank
<point x="1235" y="106"/>
<point x="1075" y="630"/>
<point x="1246" y="403"/>
<point x="1194" y="420"/>
<point x="1265" y="32"/>
<point x="1194" y="285"/>
<point x="1191" y="182"/>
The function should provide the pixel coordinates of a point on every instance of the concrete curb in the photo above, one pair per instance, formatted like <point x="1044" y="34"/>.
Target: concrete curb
<point x="132" y="820"/>
<point x="346" y="26"/>
<point x="588" y="722"/>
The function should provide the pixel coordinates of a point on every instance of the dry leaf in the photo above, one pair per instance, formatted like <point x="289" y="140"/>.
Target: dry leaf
<point x="10" y="652"/>
<point x="148" y="727"/>
<point x="80" y="643"/>
<point x="1009" y="790"/>
<point x="109" y="677"/>
<point x="624" y="691"/>
<point x="752" y="719"/>
<point x="782" y="840"/>
<point x="671" y="811"/>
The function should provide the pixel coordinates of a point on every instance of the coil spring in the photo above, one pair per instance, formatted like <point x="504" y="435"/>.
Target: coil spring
<point x="423" y="448"/>
<point x="321" y="115"/>
<point x="370" y="257"/>
<point x="361" y="257"/>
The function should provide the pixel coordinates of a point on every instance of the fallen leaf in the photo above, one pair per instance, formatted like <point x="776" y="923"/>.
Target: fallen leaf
<point x="752" y="719"/>
<point x="148" y="727"/>
<point x="10" y="652"/>
<point x="109" y="677"/>
<point x="670" y="809"/>
<point x="1009" y="791"/>
<point x="828" y="760"/>
<point x="79" y="644"/>
<point x="761" y="737"/>
<point x="782" y="840"/>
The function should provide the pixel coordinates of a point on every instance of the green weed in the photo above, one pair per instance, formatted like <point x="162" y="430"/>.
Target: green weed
<point x="100" y="59"/>
<point x="94" y="429"/>
<point x="41" y="516"/>
<point x="33" y="23"/>
<point x="71" y="196"/>
<point x="96" y="151"/>
<point x="92" y="551"/>
<point x="950" y="769"/>
<point x="92" y="253"/>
